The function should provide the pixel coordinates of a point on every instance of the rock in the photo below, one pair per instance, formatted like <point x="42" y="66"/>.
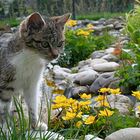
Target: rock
<point x="114" y="33"/>
<point x="85" y="68"/>
<point x="61" y="73"/>
<point x="97" y="61"/>
<point x="120" y="102"/>
<point x="97" y="54"/>
<point x="86" y="77"/>
<point x="110" y="58"/>
<point x="123" y="108"/>
<point x="102" y="81"/>
<point x="84" y="63"/>
<point x="109" y="50"/>
<point x="45" y="135"/>
<point x="137" y="110"/>
<point x="92" y="137"/>
<point x="120" y="98"/>
<point x="95" y="23"/>
<point x="125" y="134"/>
<point x="118" y="25"/>
<point x="99" y="28"/>
<point x="109" y="26"/>
<point x="102" y="20"/>
<point x="75" y="91"/>
<point x="66" y="70"/>
<point x="106" y="67"/>
<point x="123" y="38"/>
<point x="115" y="84"/>
<point x="110" y="21"/>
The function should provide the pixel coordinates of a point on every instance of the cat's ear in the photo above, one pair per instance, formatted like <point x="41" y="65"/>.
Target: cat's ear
<point x="62" y="19"/>
<point x="35" y="21"/>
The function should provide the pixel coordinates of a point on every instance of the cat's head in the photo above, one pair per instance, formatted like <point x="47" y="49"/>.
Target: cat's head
<point x="44" y="36"/>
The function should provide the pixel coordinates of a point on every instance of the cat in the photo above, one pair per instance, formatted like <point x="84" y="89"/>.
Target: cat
<point x="23" y="57"/>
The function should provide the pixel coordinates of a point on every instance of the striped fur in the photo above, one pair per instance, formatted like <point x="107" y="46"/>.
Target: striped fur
<point x="23" y="57"/>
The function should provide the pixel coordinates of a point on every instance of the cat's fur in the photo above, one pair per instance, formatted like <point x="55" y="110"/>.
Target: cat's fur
<point x="22" y="61"/>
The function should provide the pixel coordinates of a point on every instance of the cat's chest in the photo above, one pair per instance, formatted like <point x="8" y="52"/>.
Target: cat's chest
<point x="29" y="69"/>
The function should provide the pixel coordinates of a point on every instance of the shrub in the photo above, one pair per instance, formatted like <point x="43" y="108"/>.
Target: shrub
<point x="129" y="70"/>
<point x="80" y="44"/>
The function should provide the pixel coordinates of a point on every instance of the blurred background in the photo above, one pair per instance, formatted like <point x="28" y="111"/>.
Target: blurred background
<point x="79" y="8"/>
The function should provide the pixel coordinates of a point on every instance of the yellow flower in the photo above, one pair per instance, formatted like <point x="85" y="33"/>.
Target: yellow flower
<point x="70" y="101"/>
<point x="106" y="113"/>
<point x="82" y="32"/>
<point x="60" y="99"/>
<point x="71" y="23"/>
<point x="90" y="120"/>
<point x="79" y="115"/>
<point x="84" y="103"/>
<point x="104" y="90"/>
<point x="100" y="98"/>
<point x="115" y="91"/>
<point x="50" y="83"/>
<point x="75" y="106"/>
<point x="104" y="103"/>
<point x="78" y="124"/>
<point x="56" y="106"/>
<point x="138" y="107"/>
<point x="136" y="94"/>
<point x="90" y="25"/>
<point x="58" y="91"/>
<point x="85" y="96"/>
<point x="69" y="116"/>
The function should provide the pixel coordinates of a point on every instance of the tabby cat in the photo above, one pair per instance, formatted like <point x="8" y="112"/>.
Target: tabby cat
<point x="23" y="57"/>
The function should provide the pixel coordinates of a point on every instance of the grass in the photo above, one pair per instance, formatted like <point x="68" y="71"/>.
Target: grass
<point x="12" y="22"/>
<point x="97" y="16"/>
<point x="18" y="128"/>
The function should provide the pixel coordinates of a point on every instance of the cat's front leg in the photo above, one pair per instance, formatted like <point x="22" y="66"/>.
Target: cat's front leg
<point x="5" y="106"/>
<point x="31" y="96"/>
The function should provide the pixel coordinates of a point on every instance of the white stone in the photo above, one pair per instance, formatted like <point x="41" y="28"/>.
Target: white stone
<point x="136" y="109"/>
<point x="92" y="137"/>
<point x="83" y="63"/>
<point x="86" y="77"/>
<point x="120" y="102"/>
<point x="125" y="134"/>
<point x="86" y="68"/>
<point x="110" y="57"/>
<point x="97" y="61"/>
<point x="61" y="73"/>
<point x="106" y="67"/>
<point x="109" y="50"/>
<point x="44" y="134"/>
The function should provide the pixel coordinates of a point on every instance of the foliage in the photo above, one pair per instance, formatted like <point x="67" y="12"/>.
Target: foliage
<point x="129" y="71"/>
<point x="12" y="22"/>
<point x="18" y="127"/>
<point x="133" y="25"/>
<point x="80" y="43"/>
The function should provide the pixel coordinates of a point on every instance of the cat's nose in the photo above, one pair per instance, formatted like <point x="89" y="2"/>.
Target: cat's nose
<point x="55" y="53"/>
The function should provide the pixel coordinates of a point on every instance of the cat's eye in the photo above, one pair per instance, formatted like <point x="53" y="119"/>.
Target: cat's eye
<point x="60" y="44"/>
<point x="45" y="44"/>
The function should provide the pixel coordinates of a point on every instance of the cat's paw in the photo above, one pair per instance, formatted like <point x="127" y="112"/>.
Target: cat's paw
<point x="42" y="126"/>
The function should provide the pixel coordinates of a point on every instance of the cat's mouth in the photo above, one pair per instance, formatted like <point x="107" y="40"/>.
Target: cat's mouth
<point x="50" y="56"/>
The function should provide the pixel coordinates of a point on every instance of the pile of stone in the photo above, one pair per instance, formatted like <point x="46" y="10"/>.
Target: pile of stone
<point x="90" y="75"/>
